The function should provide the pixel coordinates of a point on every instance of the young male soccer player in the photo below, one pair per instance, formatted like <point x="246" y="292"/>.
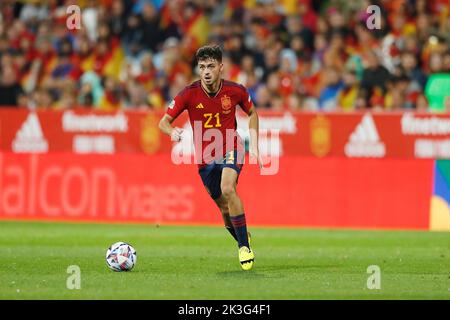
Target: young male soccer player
<point x="211" y="103"/>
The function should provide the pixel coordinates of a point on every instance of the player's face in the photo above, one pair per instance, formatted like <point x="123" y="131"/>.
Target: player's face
<point x="210" y="70"/>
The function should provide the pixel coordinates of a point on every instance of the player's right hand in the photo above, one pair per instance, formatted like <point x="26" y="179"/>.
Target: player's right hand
<point x="176" y="133"/>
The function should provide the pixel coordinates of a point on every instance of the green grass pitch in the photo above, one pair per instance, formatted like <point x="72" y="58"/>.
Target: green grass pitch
<point x="193" y="262"/>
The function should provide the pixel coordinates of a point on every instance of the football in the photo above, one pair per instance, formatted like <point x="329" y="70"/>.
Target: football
<point x="121" y="256"/>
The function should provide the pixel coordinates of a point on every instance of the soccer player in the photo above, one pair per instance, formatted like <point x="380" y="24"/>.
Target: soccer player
<point x="211" y="104"/>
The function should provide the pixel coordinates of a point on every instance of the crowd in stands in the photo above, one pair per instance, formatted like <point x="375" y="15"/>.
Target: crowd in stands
<point x="290" y="54"/>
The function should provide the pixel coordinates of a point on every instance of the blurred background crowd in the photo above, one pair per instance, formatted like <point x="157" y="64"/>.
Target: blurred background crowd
<point x="290" y="54"/>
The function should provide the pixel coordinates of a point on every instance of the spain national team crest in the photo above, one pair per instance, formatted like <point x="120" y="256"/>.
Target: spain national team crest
<point x="150" y="134"/>
<point x="320" y="136"/>
<point x="226" y="104"/>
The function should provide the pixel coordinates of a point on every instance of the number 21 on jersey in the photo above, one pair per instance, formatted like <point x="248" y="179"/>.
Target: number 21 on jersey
<point x="209" y="118"/>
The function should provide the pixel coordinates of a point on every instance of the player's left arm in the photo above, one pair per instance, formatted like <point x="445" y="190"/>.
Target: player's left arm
<point x="253" y="126"/>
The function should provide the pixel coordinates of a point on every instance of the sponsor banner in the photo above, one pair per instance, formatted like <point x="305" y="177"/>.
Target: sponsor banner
<point x="350" y="135"/>
<point x="118" y="188"/>
<point x="80" y="131"/>
<point x="307" y="192"/>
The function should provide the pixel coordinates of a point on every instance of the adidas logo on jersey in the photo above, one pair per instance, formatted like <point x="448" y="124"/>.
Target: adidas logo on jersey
<point x="29" y="138"/>
<point x="199" y="106"/>
<point x="365" y="141"/>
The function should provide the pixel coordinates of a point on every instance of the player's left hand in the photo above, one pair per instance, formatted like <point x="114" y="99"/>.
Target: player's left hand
<point x="254" y="153"/>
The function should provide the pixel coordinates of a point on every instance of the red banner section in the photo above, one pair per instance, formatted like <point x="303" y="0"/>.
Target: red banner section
<point x="81" y="131"/>
<point x="309" y="192"/>
<point x="356" y="135"/>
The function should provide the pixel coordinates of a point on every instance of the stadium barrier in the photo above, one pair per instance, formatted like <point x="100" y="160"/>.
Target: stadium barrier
<point x="336" y="170"/>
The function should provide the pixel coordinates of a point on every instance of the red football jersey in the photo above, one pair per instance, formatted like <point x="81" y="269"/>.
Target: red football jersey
<point x="212" y="117"/>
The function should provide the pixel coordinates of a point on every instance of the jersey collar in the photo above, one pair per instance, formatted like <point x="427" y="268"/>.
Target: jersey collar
<point x="218" y="91"/>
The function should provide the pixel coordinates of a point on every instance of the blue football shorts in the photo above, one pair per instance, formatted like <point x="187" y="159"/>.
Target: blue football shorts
<point x="211" y="174"/>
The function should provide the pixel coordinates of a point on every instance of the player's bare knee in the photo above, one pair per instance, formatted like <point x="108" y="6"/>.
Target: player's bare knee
<point x="228" y="191"/>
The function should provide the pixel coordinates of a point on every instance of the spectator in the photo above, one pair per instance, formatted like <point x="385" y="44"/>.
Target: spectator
<point x="137" y="95"/>
<point x="421" y="103"/>
<point x="273" y="84"/>
<point x="294" y="102"/>
<point x="296" y="28"/>
<point x="348" y="94"/>
<point x="10" y="89"/>
<point x="67" y="98"/>
<point x="42" y="98"/>
<point x="328" y="95"/>
<point x="252" y="84"/>
<point x="263" y="97"/>
<point x="86" y="96"/>
<point x="152" y="35"/>
<point x="320" y="45"/>
<point x="436" y="64"/>
<point x="396" y="95"/>
<point x="335" y="54"/>
<point x="375" y="77"/>
<point x="117" y="19"/>
<point x="412" y="70"/>
<point x="271" y="63"/>
<point x="133" y="38"/>
<point x="112" y="97"/>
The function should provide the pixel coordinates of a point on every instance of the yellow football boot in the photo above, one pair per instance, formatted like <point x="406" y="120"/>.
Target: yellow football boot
<point x="246" y="258"/>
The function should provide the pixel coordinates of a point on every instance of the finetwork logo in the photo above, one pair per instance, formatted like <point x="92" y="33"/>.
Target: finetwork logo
<point x="29" y="138"/>
<point x="365" y="141"/>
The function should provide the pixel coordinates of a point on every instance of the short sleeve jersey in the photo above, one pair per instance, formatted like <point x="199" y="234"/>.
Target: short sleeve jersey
<point x="212" y="117"/>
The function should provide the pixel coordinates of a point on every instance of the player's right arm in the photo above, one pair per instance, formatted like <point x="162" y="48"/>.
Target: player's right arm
<point x="165" y="125"/>
<point x="176" y="106"/>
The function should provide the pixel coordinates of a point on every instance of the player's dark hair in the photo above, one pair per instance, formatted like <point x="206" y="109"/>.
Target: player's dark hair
<point x="209" y="52"/>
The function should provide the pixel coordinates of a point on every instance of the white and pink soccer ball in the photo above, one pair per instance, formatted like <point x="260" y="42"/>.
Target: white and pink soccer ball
<point x="121" y="257"/>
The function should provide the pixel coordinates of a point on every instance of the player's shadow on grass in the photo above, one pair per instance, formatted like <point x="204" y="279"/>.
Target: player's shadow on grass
<point x="260" y="272"/>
